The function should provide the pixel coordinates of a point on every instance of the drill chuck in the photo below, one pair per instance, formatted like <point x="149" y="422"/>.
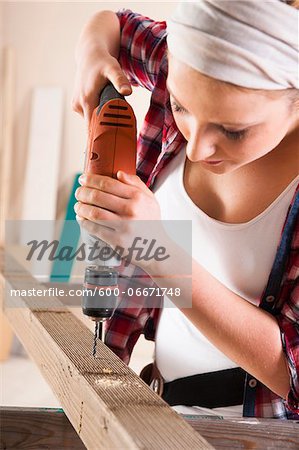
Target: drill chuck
<point x="100" y="292"/>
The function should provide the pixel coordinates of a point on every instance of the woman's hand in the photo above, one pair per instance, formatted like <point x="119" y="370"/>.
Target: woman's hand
<point x="103" y="198"/>
<point x="122" y="212"/>
<point x="96" y="56"/>
<point x="93" y="73"/>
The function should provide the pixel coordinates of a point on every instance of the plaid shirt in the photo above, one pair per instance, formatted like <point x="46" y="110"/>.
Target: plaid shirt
<point x="143" y="59"/>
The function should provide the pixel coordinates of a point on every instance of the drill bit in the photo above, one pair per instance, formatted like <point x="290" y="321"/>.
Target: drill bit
<point x="98" y="330"/>
<point x="94" y="349"/>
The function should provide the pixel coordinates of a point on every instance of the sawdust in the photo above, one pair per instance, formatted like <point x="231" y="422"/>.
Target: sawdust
<point x="117" y="382"/>
<point x="108" y="382"/>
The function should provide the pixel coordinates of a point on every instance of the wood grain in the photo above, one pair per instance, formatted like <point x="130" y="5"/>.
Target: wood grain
<point x="37" y="429"/>
<point x="249" y="433"/>
<point x="41" y="428"/>
<point x="107" y="403"/>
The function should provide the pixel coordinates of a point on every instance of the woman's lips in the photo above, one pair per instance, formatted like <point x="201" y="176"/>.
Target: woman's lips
<point x="214" y="163"/>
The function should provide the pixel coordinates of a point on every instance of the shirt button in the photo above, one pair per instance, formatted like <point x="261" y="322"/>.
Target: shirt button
<point x="270" y="298"/>
<point x="252" y="382"/>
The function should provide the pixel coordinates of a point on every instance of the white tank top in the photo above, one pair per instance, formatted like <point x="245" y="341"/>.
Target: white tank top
<point x="238" y="255"/>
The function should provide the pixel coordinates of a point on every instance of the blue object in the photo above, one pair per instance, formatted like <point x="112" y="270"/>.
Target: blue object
<point x="70" y="235"/>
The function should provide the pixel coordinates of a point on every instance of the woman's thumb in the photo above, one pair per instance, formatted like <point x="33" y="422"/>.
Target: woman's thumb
<point x="126" y="177"/>
<point x="133" y="180"/>
<point x="118" y="79"/>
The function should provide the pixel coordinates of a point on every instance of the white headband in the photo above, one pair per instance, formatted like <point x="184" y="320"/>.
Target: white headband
<point x="250" y="43"/>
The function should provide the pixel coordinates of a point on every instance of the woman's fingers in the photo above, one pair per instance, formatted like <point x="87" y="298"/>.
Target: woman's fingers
<point x="107" y="184"/>
<point x="95" y="214"/>
<point x="97" y="230"/>
<point x="124" y="186"/>
<point x="133" y="180"/>
<point x="88" y="108"/>
<point x="101" y="199"/>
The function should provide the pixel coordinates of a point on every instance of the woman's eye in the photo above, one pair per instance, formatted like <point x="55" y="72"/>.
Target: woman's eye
<point x="234" y="135"/>
<point x="177" y="108"/>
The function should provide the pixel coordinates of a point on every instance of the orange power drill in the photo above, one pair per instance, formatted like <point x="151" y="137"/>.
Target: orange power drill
<point x="112" y="145"/>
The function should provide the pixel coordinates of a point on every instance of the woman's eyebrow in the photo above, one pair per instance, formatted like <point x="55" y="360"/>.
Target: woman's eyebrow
<point x="239" y="124"/>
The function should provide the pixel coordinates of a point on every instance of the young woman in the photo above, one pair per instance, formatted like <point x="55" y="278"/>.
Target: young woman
<point x="223" y="124"/>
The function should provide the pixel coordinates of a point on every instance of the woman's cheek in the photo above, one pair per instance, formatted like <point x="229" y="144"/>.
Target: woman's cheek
<point x="255" y="149"/>
<point x="182" y="125"/>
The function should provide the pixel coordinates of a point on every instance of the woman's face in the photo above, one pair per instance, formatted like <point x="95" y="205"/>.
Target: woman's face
<point x="226" y="128"/>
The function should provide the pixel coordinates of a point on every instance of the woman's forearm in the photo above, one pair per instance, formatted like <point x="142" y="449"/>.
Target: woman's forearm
<point x="102" y="31"/>
<point x="244" y="333"/>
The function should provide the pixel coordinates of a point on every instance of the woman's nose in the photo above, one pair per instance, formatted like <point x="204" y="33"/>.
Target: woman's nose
<point x="201" y="145"/>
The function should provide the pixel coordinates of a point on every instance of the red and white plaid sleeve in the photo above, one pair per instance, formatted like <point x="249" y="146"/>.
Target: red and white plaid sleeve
<point x="142" y="47"/>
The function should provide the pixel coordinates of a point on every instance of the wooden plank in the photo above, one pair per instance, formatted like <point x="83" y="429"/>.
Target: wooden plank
<point x="6" y="337"/>
<point x="8" y="90"/>
<point x="36" y="429"/>
<point x="42" y="169"/>
<point x="249" y="433"/>
<point x="107" y="403"/>
<point x="42" y="165"/>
